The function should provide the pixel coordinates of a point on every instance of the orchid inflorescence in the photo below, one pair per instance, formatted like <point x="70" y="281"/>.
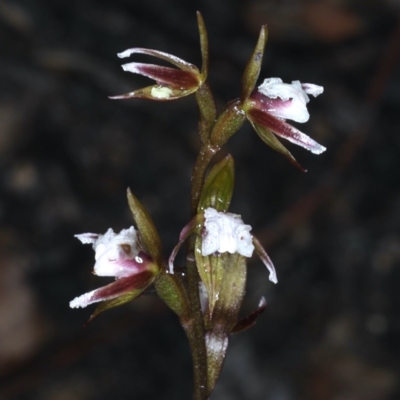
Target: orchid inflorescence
<point x="208" y="293"/>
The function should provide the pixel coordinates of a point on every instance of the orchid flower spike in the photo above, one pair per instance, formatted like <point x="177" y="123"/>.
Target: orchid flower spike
<point x="223" y="232"/>
<point x="119" y="256"/>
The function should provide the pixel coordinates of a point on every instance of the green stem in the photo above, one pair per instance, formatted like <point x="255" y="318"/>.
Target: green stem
<point x="195" y="330"/>
<point x="207" y="111"/>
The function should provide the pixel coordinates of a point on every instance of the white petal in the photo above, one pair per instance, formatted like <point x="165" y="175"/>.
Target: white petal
<point x="87" y="238"/>
<point x="132" y="67"/>
<point x="83" y="301"/>
<point x="126" y="53"/>
<point x="262" y="303"/>
<point x="275" y="88"/>
<point x="266" y="260"/>
<point x="312" y="89"/>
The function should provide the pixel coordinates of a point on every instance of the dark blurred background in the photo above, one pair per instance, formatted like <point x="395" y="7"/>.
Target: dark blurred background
<point x="68" y="153"/>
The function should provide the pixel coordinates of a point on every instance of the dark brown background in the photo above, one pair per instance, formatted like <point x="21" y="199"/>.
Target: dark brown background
<point x="68" y="153"/>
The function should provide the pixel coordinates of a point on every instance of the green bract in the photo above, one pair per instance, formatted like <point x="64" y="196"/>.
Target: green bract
<point x="218" y="186"/>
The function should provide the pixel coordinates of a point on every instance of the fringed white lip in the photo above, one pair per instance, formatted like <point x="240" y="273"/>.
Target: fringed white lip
<point x="225" y="232"/>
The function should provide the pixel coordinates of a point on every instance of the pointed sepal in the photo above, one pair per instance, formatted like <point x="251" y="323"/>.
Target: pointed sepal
<point x="149" y="236"/>
<point x="203" y="45"/>
<point x="252" y="70"/>
<point x="250" y="320"/>
<point x="270" y="140"/>
<point x="164" y="75"/>
<point x="204" y="96"/>
<point x="285" y="130"/>
<point x="172" y="83"/>
<point x="116" y="289"/>
<point x="118" y="301"/>
<point x="178" y="62"/>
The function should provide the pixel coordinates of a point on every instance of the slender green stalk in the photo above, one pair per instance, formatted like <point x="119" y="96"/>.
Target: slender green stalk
<point x="195" y="329"/>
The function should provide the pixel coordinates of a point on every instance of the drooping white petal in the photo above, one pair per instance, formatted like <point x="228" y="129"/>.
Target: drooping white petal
<point x="266" y="260"/>
<point x="225" y="232"/>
